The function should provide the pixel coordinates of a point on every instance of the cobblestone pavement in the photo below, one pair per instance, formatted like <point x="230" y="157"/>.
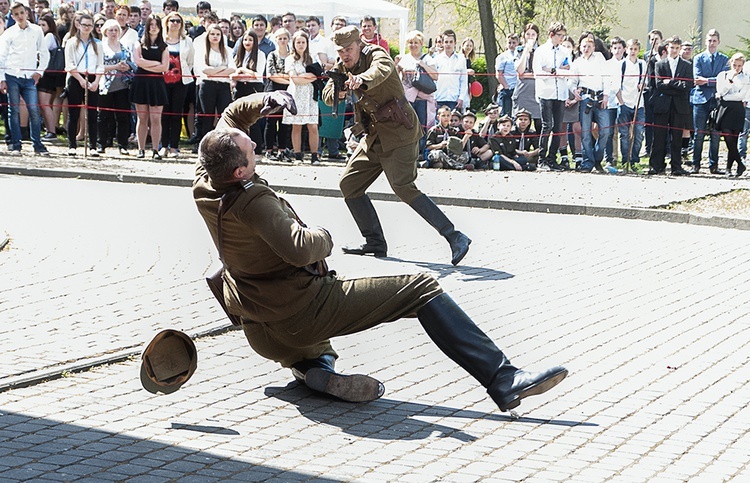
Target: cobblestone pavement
<point x="651" y="318"/>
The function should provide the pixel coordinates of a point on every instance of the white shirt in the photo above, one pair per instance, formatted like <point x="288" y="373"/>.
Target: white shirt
<point x="737" y="90"/>
<point x="453" y="78"/>
<point x="612" y="81"/>
<point x="130" y="40"/>
<point x="260" y="67"/>
<point x="321" y="45"/>
<point x="19" y="50"/>
<point x="588" y="73"/>
<point x="635" y="73"/>
<point x="80" y="57"/>
<point x="214" y="60"/>
<point x="550" y="86"/>
<point x="673" y="64"/>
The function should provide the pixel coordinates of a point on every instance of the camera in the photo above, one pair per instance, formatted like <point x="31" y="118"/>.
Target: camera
<point x="588" y="105"/>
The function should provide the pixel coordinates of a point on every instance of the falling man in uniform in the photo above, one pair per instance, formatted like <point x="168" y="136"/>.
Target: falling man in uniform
<point x="290" y="306"/>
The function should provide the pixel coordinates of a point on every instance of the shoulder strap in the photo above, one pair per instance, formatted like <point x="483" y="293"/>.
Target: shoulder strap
<point x="226" y="202"/>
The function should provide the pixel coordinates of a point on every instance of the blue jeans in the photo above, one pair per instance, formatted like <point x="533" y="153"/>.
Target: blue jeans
<point x="609" y="148"/>
<point x="331" y="144"/>
<point x="17" y="87"/>
<point x="593" y="152"/>
<point x="624" y="118"/>
<point x="505" y="101"/>
<point x="700" y="118"/>
<point x="744" y="133"/>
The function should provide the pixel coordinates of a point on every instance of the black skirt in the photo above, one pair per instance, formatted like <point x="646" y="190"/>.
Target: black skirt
<point x="149" y="88"/>
<point x="731" y="116"/>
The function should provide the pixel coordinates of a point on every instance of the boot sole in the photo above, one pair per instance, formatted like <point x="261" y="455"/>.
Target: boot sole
<point x="536" y="389"/>
<point x="350" y="388"/>
<point x="363" y="252"/>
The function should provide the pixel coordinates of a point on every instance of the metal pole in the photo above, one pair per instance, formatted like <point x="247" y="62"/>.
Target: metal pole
<point x="420" y="15"/>
<point x="86" y="118"/>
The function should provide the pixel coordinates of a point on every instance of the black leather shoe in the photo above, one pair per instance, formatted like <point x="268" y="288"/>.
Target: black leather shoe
<point x="459" y="246"/>
<point x="553" y="166"/>
<point x="680" y="172"/>
<point x="652" y="171"/>
<point x="740" y="168"/>
<point x="366" y="249"/>
<point x="509" y="392"/>
<point x="598" y="167"/>
<point x="350" y="388"/>
<point x="715" y="170"/>
<point x="695" y="170"/>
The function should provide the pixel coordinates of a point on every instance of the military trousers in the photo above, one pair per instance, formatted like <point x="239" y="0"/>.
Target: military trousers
<point x="341" y="307"/>
<point x="398" y="164"/>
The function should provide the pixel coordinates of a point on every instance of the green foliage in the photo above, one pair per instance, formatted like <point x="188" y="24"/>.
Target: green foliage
<point x="480" y="67"/>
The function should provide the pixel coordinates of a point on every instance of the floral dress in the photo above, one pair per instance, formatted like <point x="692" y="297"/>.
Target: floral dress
<point x="307" y="108"/>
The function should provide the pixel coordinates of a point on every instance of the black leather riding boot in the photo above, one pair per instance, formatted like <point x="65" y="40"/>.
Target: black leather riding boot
<point x="460" y="339"/>
<point x="369" y="225"/>
<point x="428" y="210"/>
<point x="319" y="375"/>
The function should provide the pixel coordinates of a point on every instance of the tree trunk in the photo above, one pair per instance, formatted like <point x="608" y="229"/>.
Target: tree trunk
<point x="487" y="24"/>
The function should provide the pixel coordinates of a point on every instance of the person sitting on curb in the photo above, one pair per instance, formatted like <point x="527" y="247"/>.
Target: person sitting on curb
<point x="527" y="139"/>
<point x="478" y="148"/>
<point x="444" y="148"/>
<point x="505" y="145"/>
<point x="291" y="306"/>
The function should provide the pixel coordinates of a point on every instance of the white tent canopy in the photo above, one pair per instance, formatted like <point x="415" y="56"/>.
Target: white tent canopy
<point x="326" y="9"/>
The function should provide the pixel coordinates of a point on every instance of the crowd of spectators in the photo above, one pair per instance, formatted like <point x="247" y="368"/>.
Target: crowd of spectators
<point x="138" y="76"/>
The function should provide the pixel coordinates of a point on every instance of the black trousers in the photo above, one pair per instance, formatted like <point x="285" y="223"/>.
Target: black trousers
<point x="171" y="117"/>
<point x="75" y="103"/>
<point x="665" y="123"/>
<point x="114" y="118"/>
<point x="552" y="122"/>
<point x="214" y="97"/>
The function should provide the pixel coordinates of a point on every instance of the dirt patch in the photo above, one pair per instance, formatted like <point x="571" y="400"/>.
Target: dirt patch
<point x="735" y="203"/>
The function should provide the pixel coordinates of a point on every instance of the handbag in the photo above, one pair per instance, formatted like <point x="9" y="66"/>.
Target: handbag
<point x="422" y="80"/>
<point x="713" y="118"/>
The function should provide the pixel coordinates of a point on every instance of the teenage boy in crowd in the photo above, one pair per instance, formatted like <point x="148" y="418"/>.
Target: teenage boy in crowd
<point x="370" y="34"/>
<point x="551" y="62"/>
<point x="617" y="48"/>
<point x="506" y="75"/>
<point x="20" y="47"/>
<point x="452" y="74"/>
<point x="652" y="56"/>
<point x="674" y="79"/>
<point x="632" y="77"/>
<point x="587" y="83"/>
<point x="706" y="66"/>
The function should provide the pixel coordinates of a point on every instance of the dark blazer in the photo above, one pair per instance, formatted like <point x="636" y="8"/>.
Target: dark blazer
<point x="675" y="94"/>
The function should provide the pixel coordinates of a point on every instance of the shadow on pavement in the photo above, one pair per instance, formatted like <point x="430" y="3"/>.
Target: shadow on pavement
<point x="470" y="273"/>
<point x="33" y="449"/>
<point x="390" y="419"/>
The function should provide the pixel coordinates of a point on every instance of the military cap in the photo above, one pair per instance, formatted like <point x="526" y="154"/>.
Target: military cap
<point x="345" y="36"/>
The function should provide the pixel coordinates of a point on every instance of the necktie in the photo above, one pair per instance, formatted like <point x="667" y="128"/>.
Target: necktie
<point x="713" y="58"/>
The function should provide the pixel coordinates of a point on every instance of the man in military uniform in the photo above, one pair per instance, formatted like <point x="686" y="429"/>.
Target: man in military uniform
<point x="390" y="144"/>
<point x="291" y="307"/>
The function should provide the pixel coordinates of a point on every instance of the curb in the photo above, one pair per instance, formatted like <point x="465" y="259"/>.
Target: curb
<point x="118" y="355"/>
<point x="632" y="213"/>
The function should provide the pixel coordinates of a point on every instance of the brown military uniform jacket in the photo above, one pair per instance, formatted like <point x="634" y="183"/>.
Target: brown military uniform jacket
<point x="264" y="246"/>
<point x="380" y="84"/>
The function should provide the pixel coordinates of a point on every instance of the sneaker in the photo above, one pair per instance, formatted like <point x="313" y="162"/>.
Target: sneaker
<point x="124" y="152"/>
<point x="14" y="150"/>
<point x="156" y="156"/>
<point x="610" y="169"/>
<point x="173" y="155"/>
<point x="93" y="153"/>
<point x="50" y="136"/>
<point x="42" y="152"/>
<point x="338" y="156"/>
<point x="564" y="163"/>
<point x="100" y="149"/>
<point x="598" y="167"/>
<point x="71" y="151"/>
<point x="141" y="154"/>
